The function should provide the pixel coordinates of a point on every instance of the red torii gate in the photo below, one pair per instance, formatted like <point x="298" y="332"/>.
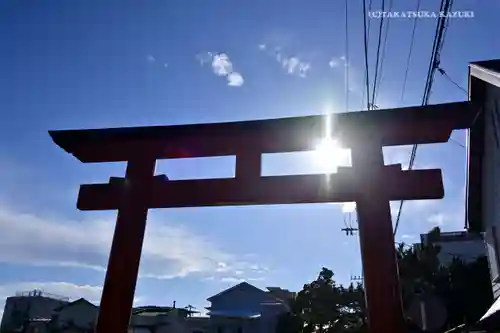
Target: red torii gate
<point x="368" y="182"/>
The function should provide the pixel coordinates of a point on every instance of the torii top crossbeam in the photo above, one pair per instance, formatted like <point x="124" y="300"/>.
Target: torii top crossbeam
<point x="368" y="182"/>
<point x="402" y="126"/>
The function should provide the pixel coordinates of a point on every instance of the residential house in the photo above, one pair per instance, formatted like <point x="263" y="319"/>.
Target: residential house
<point x="79" y="315"/>
<point x="243" y="308"/>
<point x="466" y="246"/>
<point x="483" y="167"/>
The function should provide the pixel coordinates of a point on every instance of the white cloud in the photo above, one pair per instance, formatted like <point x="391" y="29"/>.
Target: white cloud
<point x="236" y="280"/>
<point x="337" y="61"/>
<point x="57" y="289"/>
<point x="204" y="58"/>
<point x="150" y="58"/>
<point x="235" y="79"/>
<point x="222" y="66"/>
<point x="230" y="279"/>
<point x="63" y="289"/>
<point x="438" y="219"/>
<point x="165" y="65"/>
<point x="169" y="250"/>
<point x="408" y="236"/>
<point x="333" y="63"/>
<point x="342" y="65"/>
<point x="293" y="65"/>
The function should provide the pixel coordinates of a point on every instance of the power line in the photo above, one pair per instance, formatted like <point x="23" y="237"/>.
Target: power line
<point x="457" y="143"/>
<point x="377" y="58"/>
<point x="412" y="40"/>
<point x="365" y="39"/>
<point x="433" y="65"/>
<point x="443" y="73"/>
<point x="346" y="63"/>
<point x="384" y="49"/>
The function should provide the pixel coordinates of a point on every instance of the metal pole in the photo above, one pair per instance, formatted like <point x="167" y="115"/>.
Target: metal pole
<point x="383" y="295"/>
<point x="423" y="314"/>
<point x="124" y="259"/>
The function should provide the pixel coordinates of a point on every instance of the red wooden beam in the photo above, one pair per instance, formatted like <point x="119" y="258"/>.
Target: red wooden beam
<point x="403" y="126"/>
<point x="125" y="255"/>
<point x="343" y="187"/>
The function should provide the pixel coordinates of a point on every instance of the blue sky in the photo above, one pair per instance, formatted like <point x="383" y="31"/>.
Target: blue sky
<point x="91" y="64"/>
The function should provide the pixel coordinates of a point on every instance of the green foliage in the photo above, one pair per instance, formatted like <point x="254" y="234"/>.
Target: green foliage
<point x="326" y="307"/>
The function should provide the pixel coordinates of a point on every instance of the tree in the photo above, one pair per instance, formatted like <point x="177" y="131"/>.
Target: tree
<point x="325" y="307"/>
<point x="464" y="287"/>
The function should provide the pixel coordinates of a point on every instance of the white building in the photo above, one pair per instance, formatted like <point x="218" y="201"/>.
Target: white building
<point x="463" y="245"/>
<point x="29" y="306"/>
<point x="483" y="175"/>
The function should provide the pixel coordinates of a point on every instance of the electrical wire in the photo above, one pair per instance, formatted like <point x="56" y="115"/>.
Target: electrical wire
<point x="365" y="40"/>
<point x="433" y="65"/>
<point x="384" y="49"/>
<point x="408" y="60"/>
<point x="366" y="29"/>
<point x="346" y="63"/>
<point x="443" y="73"/>
<point x="377" y="57"/>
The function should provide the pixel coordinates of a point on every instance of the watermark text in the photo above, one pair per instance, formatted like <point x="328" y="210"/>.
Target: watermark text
<point x="377" y="14"/>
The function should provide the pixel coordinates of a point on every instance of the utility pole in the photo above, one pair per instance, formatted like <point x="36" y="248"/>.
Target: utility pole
<point x="349" y="231"/>
<point x="357" y="278"/>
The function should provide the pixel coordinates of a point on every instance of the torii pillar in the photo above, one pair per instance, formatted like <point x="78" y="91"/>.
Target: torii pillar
<point x="368" y="182"/>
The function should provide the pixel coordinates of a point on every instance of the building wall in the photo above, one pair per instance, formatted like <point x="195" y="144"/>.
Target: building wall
<point x="246" y="299"/>
<point x="491" y="182"/>
<point x="18" y="307"/>
<point x="241" y="299"/>
<point x="82" y="315"/>
<point x="466" y="246"/>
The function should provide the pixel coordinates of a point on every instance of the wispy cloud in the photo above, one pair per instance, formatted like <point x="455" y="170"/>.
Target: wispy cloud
<point x="222" y="66"/>
<point x="342" y="66"/>
<point x="338" y="61"/>
<point x="437" y="219"/>
<point x="406" y="236"/>
<point x="292" y="65"/>
<point x="235" y="280"/>
<point x="169" y="250"/>
<point x="65" y="289"/>
<point x="150" y="58"/>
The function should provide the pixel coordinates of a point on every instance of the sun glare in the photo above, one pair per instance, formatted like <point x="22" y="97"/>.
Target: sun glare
<point x="329" y="155"/>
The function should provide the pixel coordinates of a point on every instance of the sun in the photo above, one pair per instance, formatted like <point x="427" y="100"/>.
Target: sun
<point x="328" y="155"/>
